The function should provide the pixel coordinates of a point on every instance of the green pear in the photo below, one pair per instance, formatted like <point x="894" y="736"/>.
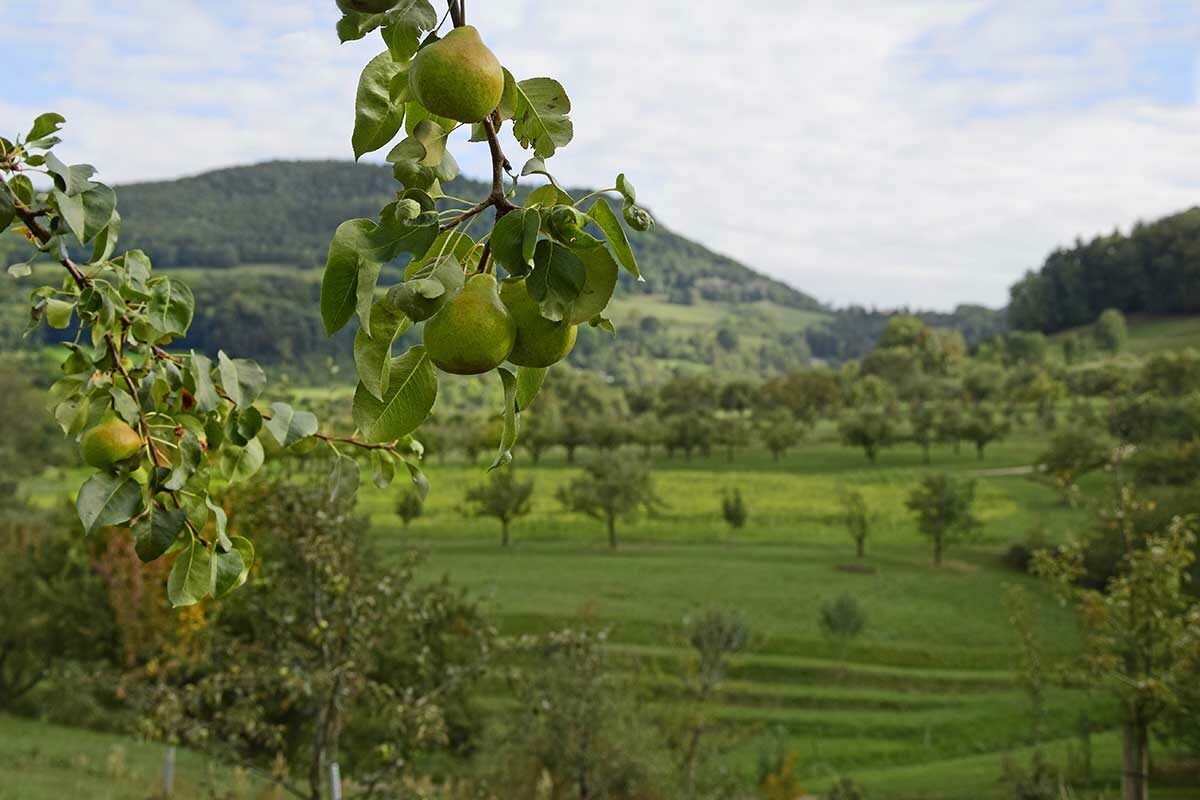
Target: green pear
<point x="457" y="77"/>
<point x="540" y="342"/>
<point x="109" y="442"/>
<point x="474" y="332"/>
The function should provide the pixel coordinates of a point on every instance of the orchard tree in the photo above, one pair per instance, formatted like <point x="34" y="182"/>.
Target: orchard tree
<point x="503" y="497"/>
<point x="162" y="428"/>
<point x="923" y="421"/>
<point x="779" y="431"/>
<point x="858" y="519"/>
<point x="733" y="509"/>
<point x="1073" y="453"/>
<point x="610" y="490"/>
<point x="872" y="428"/>
<point x="1141" y="633"/>
<point x="943" y="508"/>
<point x="983" y="425"/>
<point x="841" y="620"/>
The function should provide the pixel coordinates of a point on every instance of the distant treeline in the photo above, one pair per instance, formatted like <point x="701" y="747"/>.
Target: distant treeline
<point x="1153" y="270"/>
<point x="853" y="331"/>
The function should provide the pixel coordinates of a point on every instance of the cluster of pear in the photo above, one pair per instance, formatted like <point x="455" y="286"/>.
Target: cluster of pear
<point x="109" y="443"/>
<point x="489" y="322"/>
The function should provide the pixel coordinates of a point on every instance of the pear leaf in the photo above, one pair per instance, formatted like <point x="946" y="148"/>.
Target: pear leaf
<point x="540" y="120"/>
<point x="377" y="119"/>
<point x="512" y="423"/>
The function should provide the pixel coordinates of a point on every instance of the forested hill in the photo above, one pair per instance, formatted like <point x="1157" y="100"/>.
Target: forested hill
<point x="1155" y="269"/>
<point x="285" y="212"/>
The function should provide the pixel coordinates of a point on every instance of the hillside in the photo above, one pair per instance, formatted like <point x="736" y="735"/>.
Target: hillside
<point x="1154" y="269"/>
<point x="285" y="212"/>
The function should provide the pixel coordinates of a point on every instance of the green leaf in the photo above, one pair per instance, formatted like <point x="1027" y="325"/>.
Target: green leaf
<point x="191" y="577"/>
<point x="106" y="242"/>
<point x="44" y="125"/>
<point x="242" y="379"/>
<point x="549" y="196"/>
<point x="344" y="479"/>
<point x="240" y="463"/>
<point x="245" y="549"/>
<point x="247" y="422"/>
<point x="385" y="468"/>
<point x="540" y="120"/>
<point x="124" y="404"/>
<point x="339" y="286"/>
<point x="70" y="208"/>
<point x="393" y="236"/>
<point x="373" y="347"/>
<point x="171" y="306"/>
<point x="220" y="523"/>
<point x="58" y="313"/>
<point x="556" y="281"/>
<point x="155" y="532"/>
<point x="203" y="388"/>
<point x="99" y="205"/>
<point x="419" y="481"/>
<point x="626" y="189"/>
<point x="529" y="383"/>
<point x="107" y="499"/>
<point x="603" y="215"/>
<point x="410" y="395"/>
<point x="508" y="436"/>
<point x="8" y="207"/>
<point x="514" y="240"/>
<point x="364" y="290"/>
<point x="73" y="180"/>
<point x="427" y="289"/>
<point x="288" y="426"/>
<point x="422" y="159"/>
<point x="191" y="454"/>
<point x="227" y="571"/>
<point x="377" y="119"/>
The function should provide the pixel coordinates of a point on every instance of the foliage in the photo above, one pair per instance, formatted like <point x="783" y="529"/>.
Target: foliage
<point x="409" y="505"/>
<point x="503" y="497"/>
<point x="870" y="427"/>
<point x="55" y="605"/>
<point x="841" y="620"/>
<point x="943" y="508"/>
<point x="576" y="731"/>
<point x="733" y="509"/>
<point x="1111" y="332"/>
<point x="326" y="656"/>
<point x="609" y="490"/>
<point x="1074" y="452"/>
<point x="983" y="425"/>
<point x="857" y="518"/>
<point x="1141" y="633"/>
<point x="1151" y="270"/>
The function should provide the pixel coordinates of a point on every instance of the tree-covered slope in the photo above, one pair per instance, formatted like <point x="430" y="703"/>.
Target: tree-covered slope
<point x="285" y="212"/>
<point x="1155" y="269"/>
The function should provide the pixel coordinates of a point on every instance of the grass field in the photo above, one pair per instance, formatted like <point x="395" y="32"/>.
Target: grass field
<point x="925" y="705"/>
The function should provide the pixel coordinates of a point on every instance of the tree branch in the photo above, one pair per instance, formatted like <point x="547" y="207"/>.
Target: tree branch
<point x="457" y="13"/>
<point x="43" y="236"/>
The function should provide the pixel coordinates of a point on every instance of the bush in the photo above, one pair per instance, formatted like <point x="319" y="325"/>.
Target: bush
<point x="1020" y="555"/>
<point x="842" y="619"/>
<point x="733" y="508"/>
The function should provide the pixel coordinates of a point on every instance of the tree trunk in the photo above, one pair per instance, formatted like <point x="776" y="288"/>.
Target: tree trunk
<point x="979" y="451"/>
<point x="1135" y="761"/>
<point x="570" y="454"/>
<point x="504" y="533"/>
<point x="860" y="548"/>
<point x="612" y="533"/>
<point x="871" y="454"/>
<point x="925" y="453"/>
<point x="937" y="550"/>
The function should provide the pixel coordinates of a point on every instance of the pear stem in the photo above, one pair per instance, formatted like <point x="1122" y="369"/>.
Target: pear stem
<point x="458" y="12"/>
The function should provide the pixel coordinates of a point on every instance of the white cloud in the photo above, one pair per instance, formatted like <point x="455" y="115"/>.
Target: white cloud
<point x="923" y="153"/>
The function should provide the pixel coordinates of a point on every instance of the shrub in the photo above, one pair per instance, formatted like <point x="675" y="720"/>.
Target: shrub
<point x="733" y="508"/>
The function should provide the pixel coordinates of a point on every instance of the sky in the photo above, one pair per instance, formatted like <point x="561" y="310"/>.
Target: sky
<point x="887" y="153"/>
